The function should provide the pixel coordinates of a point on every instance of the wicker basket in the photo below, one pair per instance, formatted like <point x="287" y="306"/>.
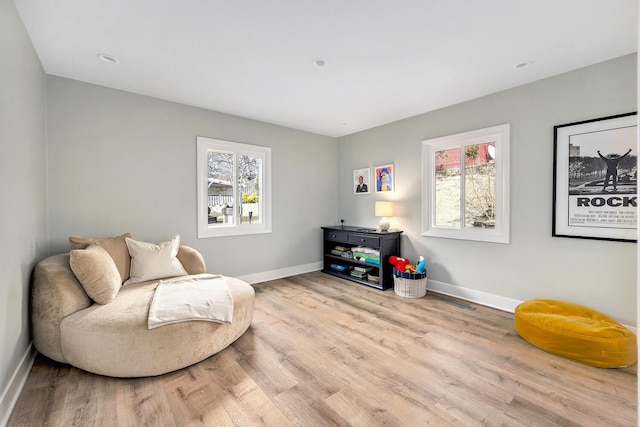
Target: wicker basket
<point x="409" y="285"/>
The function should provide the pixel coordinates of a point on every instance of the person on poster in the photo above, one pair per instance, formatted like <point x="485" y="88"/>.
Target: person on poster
<point x="383" y="181"/>
<point x="362" y="187"/>
<point x="612" y="168"/>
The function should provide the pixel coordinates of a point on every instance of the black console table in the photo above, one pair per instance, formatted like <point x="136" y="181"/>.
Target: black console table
<point x="360" y="265"/>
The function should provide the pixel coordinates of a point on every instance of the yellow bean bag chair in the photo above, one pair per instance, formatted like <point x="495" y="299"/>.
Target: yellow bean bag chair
<point x="576" y="332"/>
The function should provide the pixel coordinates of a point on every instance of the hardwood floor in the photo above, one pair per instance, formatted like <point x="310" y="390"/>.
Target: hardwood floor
<point x="322" y="351"/>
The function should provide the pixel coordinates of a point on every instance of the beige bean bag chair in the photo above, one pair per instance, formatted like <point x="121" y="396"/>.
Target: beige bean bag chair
<point x="83" y="314"/>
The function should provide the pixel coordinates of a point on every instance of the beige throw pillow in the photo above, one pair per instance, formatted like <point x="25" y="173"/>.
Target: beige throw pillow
<point x="97" y="273"/>
<point x="115" y="246"/>
<point x="150" y="261"/>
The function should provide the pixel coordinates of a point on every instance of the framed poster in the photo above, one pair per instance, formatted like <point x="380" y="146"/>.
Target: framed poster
<point x="595" y="179"/>
<point x="384" y="178"/>
<point x="361" y="181"/>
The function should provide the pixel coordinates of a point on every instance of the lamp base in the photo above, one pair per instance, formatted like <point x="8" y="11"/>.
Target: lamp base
<point x="384" y="224"/>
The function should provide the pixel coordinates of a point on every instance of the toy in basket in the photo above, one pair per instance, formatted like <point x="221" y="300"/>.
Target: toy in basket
<point x="409" y="281"/>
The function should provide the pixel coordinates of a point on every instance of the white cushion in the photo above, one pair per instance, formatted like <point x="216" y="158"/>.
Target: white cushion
<point x="150" y="261"/>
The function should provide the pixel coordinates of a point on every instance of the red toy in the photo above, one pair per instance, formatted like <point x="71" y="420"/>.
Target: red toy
<point x="399" y="263"/>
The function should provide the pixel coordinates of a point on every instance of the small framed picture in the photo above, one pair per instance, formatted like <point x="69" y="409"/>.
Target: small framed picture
<point x="361" y="181"/>
<point x="384" y="178"/>
<point x="596" y="179"/>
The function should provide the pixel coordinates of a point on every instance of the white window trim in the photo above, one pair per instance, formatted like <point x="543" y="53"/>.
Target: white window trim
<point x="204" y="145"/>
<point x="501" y="233"/>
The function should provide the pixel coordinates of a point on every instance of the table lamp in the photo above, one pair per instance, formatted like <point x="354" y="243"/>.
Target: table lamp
<point x="384" y="209"/>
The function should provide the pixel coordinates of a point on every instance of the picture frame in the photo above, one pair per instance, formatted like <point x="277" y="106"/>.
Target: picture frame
<point x="384" y="180"/>
<point x="595" y="179"/>
<point x="364" y="187"/>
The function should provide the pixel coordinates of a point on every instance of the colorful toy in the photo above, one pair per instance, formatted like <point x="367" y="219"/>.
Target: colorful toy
<point x="403" y="264"/>
<point x="399" y="263"/>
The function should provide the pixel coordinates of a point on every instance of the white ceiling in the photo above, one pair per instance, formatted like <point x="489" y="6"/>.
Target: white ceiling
<point x="386" y="60"/>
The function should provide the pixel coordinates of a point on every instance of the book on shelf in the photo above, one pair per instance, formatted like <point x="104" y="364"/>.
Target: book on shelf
<point x="358" y="274"/>
<point x="365" y="254"/>
<point x="339" y="267"/>
<point x="345" y="254"/>
<point x="367" y="259"/>
<point x="366" y="250"/>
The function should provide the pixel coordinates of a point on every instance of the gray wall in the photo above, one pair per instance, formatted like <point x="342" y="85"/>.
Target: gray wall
<point x="599" y="274"/>
<point x="120" y="162"/>
<point x="23" y="191"/>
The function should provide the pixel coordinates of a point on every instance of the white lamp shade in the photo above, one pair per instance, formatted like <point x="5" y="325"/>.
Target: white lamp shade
<point x="384" y="209"/>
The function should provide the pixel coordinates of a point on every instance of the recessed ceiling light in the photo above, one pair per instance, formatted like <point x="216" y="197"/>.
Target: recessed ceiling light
<point x="319" y="62"/>
<point x="108" y="58"/>
<point x="523" y="65"/>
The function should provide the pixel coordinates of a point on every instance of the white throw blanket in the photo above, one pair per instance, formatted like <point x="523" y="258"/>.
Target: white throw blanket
<point x="204" y="297"/>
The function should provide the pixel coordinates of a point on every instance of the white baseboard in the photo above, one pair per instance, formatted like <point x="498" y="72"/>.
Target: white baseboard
<point x="484" y="298"/>
<point x="280" y="273"/>
<point x="12" y="392"/>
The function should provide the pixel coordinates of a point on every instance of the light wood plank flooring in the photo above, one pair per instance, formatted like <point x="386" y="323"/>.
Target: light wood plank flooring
<point x="322" y="351"/>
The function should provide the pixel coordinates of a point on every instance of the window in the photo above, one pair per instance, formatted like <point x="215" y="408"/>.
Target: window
<point x="466" y="185"/>
<point x="234" y="188"/>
